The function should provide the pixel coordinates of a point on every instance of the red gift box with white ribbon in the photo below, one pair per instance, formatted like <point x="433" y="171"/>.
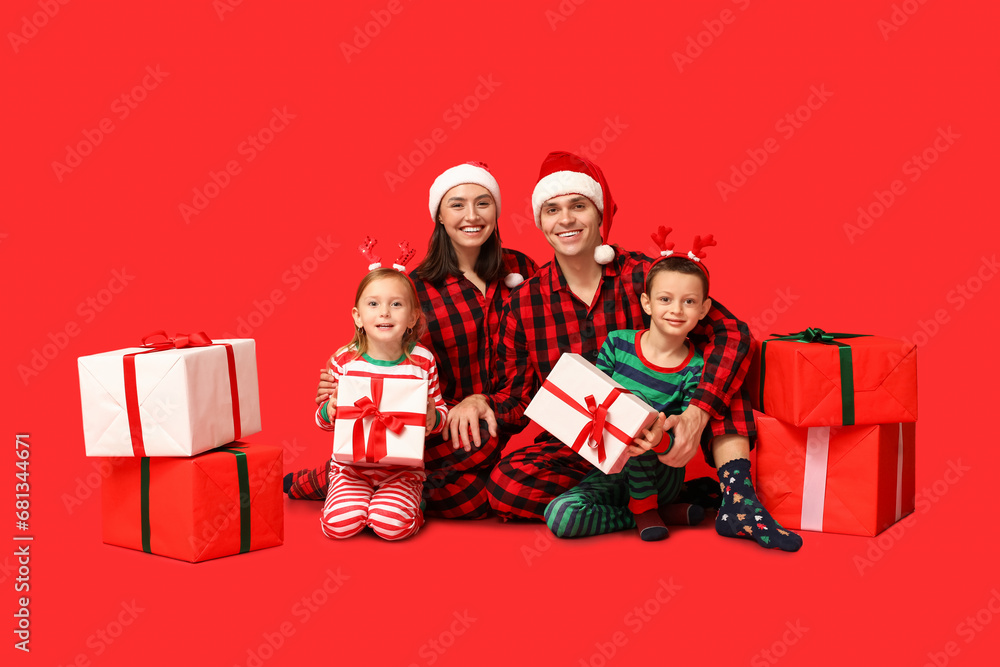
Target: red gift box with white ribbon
<point x="856" y="480"/>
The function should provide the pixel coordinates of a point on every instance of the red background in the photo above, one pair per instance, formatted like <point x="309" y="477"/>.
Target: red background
<point x="559" y="76"/>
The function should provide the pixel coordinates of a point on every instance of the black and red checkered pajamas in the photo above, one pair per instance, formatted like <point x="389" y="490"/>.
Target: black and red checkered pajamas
<point x="544" y="319"/>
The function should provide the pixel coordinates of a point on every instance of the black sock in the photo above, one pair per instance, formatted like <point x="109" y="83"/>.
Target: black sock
<point x="703" y="492"/>
<point x="742" y="515"/>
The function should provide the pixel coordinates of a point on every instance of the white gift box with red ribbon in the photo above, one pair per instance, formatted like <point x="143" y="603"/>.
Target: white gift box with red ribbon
<point x="380" y="421"/>
<point x="589" y="412"/>
<point x="172" y="397"/>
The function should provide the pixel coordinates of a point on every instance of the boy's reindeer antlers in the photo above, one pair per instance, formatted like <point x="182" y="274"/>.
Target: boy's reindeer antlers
<point x="697" y="253"/>
<point x="660" y="239"/>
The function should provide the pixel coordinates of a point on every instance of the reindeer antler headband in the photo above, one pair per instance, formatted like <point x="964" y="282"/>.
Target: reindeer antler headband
<point x="696" y="254"/>
<point x="405" y="255"/>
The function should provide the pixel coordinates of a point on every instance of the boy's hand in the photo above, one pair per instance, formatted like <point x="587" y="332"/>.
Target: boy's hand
<point x="327" y="389"/>
<point x="687" y="428"/>
<point x="649" y="438"/>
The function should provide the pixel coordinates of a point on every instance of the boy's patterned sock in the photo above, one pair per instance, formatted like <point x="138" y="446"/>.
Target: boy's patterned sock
<point x="742" y="515"/>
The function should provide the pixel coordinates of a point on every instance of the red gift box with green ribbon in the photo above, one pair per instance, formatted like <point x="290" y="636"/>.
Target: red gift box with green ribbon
<point x="854" y="480"/>
<point x="815" y="378"/>
<point x="222" y="502"/>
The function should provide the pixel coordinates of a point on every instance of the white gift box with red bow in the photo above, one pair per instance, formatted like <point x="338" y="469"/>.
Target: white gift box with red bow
<point x="589" y="412"/>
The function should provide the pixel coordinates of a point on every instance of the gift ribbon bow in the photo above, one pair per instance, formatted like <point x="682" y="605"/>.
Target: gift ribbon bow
<point x="243" y="477"/>
<point x="816" y="335"/>
<point x="592" y="432"/>
<point x="180" y="341"/>
<point x="364" y="407"/>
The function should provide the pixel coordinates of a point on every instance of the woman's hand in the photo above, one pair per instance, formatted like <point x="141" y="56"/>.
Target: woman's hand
<point x="327" y="389"/>
<point x="463" y="419"/>
<point x="431" y="416"/>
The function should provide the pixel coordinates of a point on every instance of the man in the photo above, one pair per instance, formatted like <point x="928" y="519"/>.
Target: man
<point x="588" y="290"/>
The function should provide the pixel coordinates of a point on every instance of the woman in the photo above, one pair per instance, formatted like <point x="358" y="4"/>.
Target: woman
<point x="463" y="283"/>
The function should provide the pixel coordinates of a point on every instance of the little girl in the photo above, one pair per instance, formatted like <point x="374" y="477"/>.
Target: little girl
<point x="388" y="317"/>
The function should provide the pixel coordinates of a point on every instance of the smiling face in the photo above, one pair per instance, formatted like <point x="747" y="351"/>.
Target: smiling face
<point x="571" y="224"/>
<point x="385" y="311"/>
<point x="469" y="215"/>
<point x="675" y="303"/>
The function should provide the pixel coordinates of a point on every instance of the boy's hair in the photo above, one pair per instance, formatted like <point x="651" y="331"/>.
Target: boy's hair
<point x="441" y="260"/>
<point x="679" y="264"/>
<point x="360" y="340"/>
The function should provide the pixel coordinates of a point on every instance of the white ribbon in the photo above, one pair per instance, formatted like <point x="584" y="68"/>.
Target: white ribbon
<point x="814" y="477"/>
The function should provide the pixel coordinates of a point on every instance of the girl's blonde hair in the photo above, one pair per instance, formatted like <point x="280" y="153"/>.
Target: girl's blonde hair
<point x="412" y="335"/>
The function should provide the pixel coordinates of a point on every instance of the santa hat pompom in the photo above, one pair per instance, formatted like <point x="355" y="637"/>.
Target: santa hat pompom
<point x="512" y="280"/>
<point x="604" y="254"/>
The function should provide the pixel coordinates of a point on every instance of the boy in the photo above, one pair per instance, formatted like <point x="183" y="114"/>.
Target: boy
<point x="663" y="368"/>
<point x="659" y="366"/>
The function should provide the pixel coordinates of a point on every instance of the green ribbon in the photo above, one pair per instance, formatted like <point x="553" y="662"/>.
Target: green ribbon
<point x="814" y="335"/>
<point x="243" y="474"/>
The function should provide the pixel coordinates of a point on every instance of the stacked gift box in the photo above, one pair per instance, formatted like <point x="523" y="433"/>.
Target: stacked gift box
<point x="171" y="412"/>
<point x="835" y="430"/>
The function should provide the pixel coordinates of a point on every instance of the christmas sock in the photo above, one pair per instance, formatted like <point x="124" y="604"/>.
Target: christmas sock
<point x="742" y="515"/>
<point x="682" y="514"/>
<point x="309" y="484"/>
<point x="703" y="492"/>
<point x="650" y="525"/>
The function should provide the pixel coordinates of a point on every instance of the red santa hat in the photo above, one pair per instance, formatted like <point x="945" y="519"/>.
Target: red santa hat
<point x="476" y="173"/>
<point x="563" y="173"/>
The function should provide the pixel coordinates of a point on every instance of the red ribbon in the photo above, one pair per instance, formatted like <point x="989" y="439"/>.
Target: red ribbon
<point x="593" y="431"/>
<point x="377" y="448"/>
<point x="180" y="341"/>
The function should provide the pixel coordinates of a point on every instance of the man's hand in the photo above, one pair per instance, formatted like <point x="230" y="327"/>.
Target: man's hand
<point x="463" y="419"/>
<point x="687" y="428"/>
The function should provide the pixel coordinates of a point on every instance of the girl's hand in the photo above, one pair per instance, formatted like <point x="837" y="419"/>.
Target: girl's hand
<point x="649" y="437"/>
<point x="327" y="389"/>
<point x="431" y="416"/>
